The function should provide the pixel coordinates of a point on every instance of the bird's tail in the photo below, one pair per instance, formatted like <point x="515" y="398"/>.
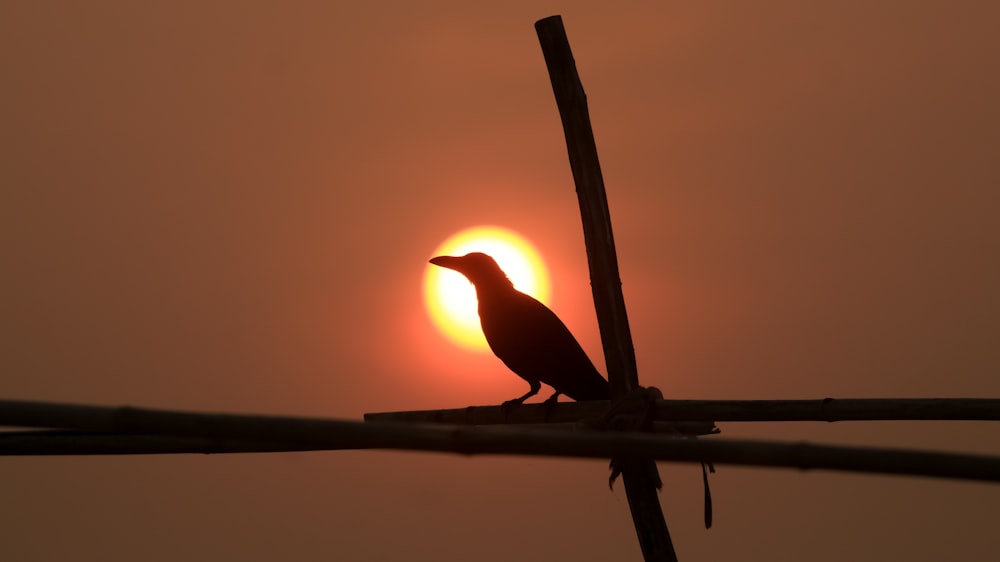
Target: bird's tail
<point x="591" y="387"/>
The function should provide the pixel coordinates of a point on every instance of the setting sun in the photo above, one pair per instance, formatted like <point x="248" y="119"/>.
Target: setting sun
<point x="450" y="297"/>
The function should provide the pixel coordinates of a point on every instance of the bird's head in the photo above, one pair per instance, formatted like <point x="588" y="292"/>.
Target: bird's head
<point x="478" y="267"/>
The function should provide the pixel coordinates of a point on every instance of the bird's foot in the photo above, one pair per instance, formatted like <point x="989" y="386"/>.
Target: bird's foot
<point x="549" y="405"/>
<point x="507" y="406"/>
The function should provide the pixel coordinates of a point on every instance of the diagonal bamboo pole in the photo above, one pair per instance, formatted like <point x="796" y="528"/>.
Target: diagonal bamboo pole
<point x="640" y="476"/>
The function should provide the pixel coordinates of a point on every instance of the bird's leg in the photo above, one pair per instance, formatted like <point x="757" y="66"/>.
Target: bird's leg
<point x="506" y="406"/>
<point x="550" y="404"/>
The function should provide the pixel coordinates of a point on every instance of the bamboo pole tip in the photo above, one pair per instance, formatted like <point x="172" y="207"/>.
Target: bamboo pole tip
<point x="555" y="19"/>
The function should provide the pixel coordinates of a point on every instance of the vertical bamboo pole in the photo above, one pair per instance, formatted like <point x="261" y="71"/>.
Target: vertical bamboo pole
<point x="639" y="475"/>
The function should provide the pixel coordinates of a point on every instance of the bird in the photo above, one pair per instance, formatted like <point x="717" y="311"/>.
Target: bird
<point x="534" y="343"/>
<point x="527" y="336"/>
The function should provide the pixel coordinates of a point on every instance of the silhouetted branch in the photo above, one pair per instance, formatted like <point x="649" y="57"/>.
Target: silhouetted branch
<point x="641" y="482"/>
<point x="609" y="302"/>
<point x="68" y="442"/>
<point x="831" y="409"/>
<point x="18" y="413"/>
<point x="156" y="431"/>
<point x="695" y="416"/>
<point x="568" y="414"/>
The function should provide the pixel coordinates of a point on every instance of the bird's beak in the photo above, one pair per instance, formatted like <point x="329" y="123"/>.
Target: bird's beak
<point x="450" y="262"/>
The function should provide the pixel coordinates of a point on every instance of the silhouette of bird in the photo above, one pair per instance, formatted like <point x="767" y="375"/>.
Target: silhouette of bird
<point x="534" y="343"/>
<point x="528" y="337"/>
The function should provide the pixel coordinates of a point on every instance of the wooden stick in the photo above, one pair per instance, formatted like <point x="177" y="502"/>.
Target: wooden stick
<point x="641" y="480"/>
<point x="831" y="409"/>
<point x="64" y="442"/>
<point x="176" y="433"/>
<point x="570" y="414"/>
<point x="609" y="301"/>
<point x="19" y="413"/>
<point x="701" y="413"/>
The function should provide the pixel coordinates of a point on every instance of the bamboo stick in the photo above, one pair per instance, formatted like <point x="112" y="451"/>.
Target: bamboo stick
<point x="641" y="479"/>
<point x="176" y="432"/>
<point x="19" y="413"/>
<point x="700" y="413"/>
<point x="68" y="442"/>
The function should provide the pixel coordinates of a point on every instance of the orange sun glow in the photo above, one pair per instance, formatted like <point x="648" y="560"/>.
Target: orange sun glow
<point x="451" y="299"/>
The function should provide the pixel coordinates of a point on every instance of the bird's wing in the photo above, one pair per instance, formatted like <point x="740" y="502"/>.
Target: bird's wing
<point x="534" y="343"/>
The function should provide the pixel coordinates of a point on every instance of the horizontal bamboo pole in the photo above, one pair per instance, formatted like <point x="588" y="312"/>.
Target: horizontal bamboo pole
<point x="68" y="442"/>
<point x="833" y="409"/>
<point x="270" y="433"/>
<point x="44" y="414"/>
<point x="698" y="411"/>
<point x="570" y="414"/>
<point x="510" y="441"/>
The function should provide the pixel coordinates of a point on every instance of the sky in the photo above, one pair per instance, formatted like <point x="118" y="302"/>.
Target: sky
<point x="229" y="206"/>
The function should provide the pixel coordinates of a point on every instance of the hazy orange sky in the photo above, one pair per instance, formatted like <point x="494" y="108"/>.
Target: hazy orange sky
<point x="228" y="206"/>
